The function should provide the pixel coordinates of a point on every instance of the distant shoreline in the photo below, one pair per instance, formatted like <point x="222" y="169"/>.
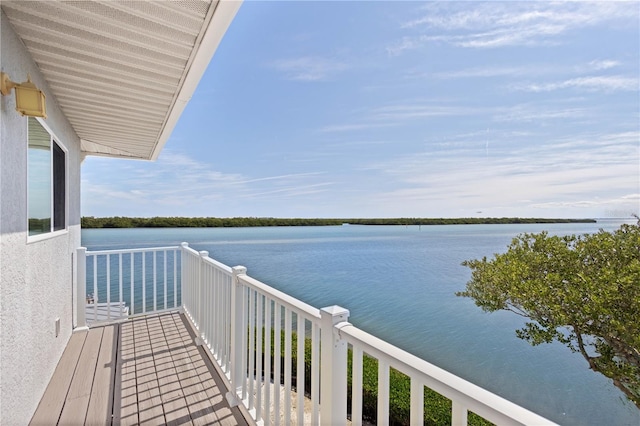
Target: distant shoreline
<point x="90" y="222"/>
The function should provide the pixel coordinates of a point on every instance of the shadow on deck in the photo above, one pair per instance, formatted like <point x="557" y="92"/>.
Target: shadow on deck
<point x="142" y="371"/>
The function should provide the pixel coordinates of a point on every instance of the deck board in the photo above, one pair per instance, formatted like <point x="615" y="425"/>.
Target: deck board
<point x="143" y="371"/>
<point x="77" y="402"/>
<point x="125" y="399"/>
<point x="150" y="410"/>
<point x="100" y="407"/>
<point x="54" y="397"/>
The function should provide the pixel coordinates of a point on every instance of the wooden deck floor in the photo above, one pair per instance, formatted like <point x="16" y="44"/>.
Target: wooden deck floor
<point x="143" y="371"/>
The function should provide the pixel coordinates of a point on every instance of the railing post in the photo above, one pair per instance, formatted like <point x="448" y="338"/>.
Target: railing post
<point x="184" y="275"/>
<point x="333" y="367"/>
<point x="237" y="335"/>
<point x="81" y="288"/>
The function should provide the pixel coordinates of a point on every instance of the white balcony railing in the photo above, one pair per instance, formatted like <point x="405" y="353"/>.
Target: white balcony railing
<point x="260" y="337"/>
<point x="123" y="283"/>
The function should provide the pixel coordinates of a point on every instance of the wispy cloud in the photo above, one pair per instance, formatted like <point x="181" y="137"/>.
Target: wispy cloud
<point x="406" y="43"/>
<point x="290" y="191"/>
<point x="603" y="64"/>
<point x="520" y="71"/>
<point x="281" y="177"/>
<point x="413" y="111"/>
<point x="353" y="127"/>
<point x="595" y="171"/>
<point x="526" y="113"/>
<point x="604" y="83"/>
<point x="185" y="184"/>
<point x="484" y="72"/>
<point x="621" y="206"/>
<point x="493" y="24"/>
<point x="309" y="68"/>
<point x="397" y="114"/>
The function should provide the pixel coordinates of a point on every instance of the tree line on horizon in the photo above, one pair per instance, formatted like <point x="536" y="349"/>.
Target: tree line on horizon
<point x="91" y="222"/>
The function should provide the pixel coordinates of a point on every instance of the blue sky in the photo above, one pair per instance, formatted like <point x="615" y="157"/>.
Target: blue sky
<point x="401" y="109"/>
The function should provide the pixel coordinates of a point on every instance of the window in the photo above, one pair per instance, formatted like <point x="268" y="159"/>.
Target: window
<point x="47" y="165"/>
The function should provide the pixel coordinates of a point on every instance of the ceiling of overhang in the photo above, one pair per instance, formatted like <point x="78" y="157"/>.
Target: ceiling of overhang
<point x="122" y="71"/>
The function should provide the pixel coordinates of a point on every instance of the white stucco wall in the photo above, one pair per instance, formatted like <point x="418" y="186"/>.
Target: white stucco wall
<point x="36" y="278"/>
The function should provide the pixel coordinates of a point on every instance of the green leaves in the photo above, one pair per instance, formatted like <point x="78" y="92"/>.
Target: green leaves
<point x="583" y="291"/>
<point x="437" y="408"/>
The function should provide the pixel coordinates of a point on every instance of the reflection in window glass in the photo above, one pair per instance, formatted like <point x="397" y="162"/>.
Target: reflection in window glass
<point x="59" y="188"/>
<point x="39" y="178"/>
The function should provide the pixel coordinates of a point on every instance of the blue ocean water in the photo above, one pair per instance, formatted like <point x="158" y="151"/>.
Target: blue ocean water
<point x="398" y="283"/>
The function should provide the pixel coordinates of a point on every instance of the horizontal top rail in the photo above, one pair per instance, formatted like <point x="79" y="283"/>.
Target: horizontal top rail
<point x="280" y="297"/>
<point x="482" y="402"/>
<point x="219" y="265"/>
<point x="139" y="250"/>
<point x="188" y="249"/>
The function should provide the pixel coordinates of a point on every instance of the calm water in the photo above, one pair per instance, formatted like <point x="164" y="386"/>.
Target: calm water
<point x="398" y="283"/>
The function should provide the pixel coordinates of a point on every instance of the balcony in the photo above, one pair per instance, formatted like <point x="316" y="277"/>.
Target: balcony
<point x="144" y="371"/>
<point x="171" y="299"/>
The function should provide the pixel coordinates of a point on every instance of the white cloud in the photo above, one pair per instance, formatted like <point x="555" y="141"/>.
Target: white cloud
<point x="281" y="177"/>
<point x="592" y="173"/>
<point x="603" y="65"/>
<point x="631" y="197"/>
<point x="520" y="71"/>
<point x="627" y="203"/>
<point x="290" y="191"/>
<point x="484" y="72"/>
<point x="413" y="111"/>
<point x="398" y="114"/>
<point x="106" y="192"/>
<point x="181" y="185"/>
<point x="353" y="127"/>
<point x="309" y="68"/>
<point x="406" y="43"/>
<point x="603" y="83"/>
<point x="494" y="24"/>
<point x="538" y="34"/>
<point x="527" y="113"/>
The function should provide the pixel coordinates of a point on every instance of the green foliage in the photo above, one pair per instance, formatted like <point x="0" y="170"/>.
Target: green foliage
<point x="40" y="225"/>
<point x="583" y="291"/>
<point x="215" y="222"/>
<point x="437" y="408"/>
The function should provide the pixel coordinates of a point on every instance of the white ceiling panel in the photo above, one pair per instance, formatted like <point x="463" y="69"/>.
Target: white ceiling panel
<point x="122" y="71"/>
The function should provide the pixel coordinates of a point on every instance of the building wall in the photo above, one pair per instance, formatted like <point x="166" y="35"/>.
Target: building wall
<point x="36" y="278"/>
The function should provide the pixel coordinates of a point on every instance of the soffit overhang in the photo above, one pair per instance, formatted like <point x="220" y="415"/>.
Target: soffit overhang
<point x="122" y="71"/>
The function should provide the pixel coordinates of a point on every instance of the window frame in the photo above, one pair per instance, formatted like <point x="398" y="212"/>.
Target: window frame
<point x="53" y="140"/>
